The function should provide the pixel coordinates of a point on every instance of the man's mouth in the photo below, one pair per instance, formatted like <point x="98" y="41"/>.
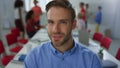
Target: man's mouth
<point x="57" y="37"/>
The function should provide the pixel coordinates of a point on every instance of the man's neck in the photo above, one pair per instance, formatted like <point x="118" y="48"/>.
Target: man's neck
<point x="67" y="46"/>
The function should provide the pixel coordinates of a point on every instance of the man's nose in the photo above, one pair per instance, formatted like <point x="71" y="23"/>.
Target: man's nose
<point x="56" y="28"/>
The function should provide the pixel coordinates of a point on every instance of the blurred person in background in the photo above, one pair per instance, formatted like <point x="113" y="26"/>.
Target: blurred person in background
<point x="83" y="12"/>
<point x="31" y="27"/>
<point x="87" y="13"/>
<point x="98" y="19"/>
<point x="37" y="12"/>
<point x="19" y="16"/>
<point x="80" y="23"/>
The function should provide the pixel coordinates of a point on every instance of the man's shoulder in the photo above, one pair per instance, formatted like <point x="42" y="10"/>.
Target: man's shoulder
<point x="89" y="56"/>
<point x="84" y="49"/>
<point x="40" y="49"/>
<point x="42" y="46"/>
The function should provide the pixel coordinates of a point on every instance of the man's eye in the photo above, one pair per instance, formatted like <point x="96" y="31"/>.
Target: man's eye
<point x="50" y="22"/>
<point x="63" y="22"/>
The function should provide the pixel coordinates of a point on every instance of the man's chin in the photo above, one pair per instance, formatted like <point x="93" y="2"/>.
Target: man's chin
<point x="56" y="44"/>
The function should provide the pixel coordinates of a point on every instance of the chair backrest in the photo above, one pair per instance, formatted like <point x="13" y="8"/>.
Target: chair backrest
<point x="2" y="50"/>
<point x="118" y="54"/>
<point x="105" y="42"/>
<point x="97" y="36"/>
<point x="16" y="31"/>
<point x="11" y="38"/>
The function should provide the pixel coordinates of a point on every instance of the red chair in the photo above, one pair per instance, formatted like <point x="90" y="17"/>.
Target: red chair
<point x="5" y="59"/>
<point x="97" y="36"/>
<point x="105" y="42"/>
<point x="118" y="54"/>
<point x="12" y="39"/>
<point x="16" y="49"/>
<point x="16" y="31"/>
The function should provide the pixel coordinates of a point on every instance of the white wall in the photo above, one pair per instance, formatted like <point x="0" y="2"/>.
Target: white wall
<point x="6" y="14"/>
<point x="116" y="30"/>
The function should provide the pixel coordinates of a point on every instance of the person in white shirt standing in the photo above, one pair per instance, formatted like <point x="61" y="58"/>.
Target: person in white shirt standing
<point x="80" y="23"/>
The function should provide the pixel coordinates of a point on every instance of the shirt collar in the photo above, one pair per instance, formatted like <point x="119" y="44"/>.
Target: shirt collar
<point x="69" y="51"/>
<point x="52" y="48"/>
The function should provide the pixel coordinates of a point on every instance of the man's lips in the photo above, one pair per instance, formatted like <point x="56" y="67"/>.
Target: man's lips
<point x="57" y="37"/>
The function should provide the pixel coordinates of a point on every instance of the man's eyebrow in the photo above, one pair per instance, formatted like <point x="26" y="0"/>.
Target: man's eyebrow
<point x="60" y="20"/>
<point x="64" y="19"/>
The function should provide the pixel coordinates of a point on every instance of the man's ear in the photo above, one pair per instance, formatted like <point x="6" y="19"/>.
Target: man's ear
<point x="74" y="24"/>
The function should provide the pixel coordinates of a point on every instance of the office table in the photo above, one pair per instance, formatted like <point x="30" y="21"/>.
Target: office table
<point x="41" y="36"/>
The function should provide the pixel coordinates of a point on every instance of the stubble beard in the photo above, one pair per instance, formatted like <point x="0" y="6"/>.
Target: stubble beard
<point x="64" y="40"/>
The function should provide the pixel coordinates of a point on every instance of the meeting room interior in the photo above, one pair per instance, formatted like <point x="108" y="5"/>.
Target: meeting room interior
<point x="102" y="37"/>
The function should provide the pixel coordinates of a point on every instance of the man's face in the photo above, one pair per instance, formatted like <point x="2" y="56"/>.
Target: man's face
<point x="35" y="3"/>
<point x="81" y="6"/>
<point x="59" y="25"/>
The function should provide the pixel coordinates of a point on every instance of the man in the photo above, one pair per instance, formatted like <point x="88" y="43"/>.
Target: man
<point x="62" y="51"/>
<point x="83" y="13"/>
<point x="87" y="13"/>
<point x="98" y="19"/>
<point x="37" y="12"/>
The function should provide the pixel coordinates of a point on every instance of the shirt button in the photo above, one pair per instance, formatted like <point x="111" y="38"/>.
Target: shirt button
<point x="62" y="59"/>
